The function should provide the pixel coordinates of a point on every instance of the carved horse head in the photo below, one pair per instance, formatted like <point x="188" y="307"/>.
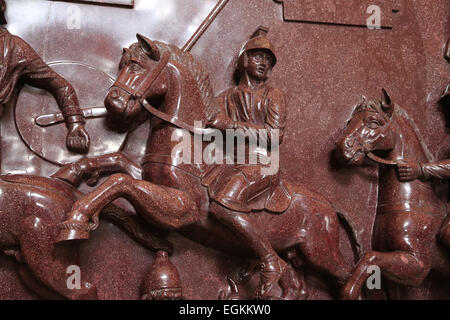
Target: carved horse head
<point x="163" y="75"/>
<point x="132" y="84"/>
<point x="369" y="129"/>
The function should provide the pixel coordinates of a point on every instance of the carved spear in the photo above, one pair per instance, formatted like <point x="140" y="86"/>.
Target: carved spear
<point x="205" y="24"/>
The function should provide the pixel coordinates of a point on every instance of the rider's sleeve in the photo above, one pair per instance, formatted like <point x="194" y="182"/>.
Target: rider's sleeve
<point x="38" y="74"/>
<point x="276" y="114"/>
<point x="437" y="170"/>
<point x="220" y="117"/>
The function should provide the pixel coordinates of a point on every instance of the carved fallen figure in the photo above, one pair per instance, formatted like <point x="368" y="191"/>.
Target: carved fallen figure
<point x="19" y="62"/>
<point x="409" y="214"/>
<point x="172" y="196"/>
<point x="31" y="207"/>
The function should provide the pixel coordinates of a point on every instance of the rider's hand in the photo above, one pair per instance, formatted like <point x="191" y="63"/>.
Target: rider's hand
<point x="78" y="138"/>
<point x="409" y="170"/>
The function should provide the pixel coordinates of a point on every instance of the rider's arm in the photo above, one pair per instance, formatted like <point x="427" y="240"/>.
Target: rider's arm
<point x="38" y="74"/>
<point x="437" y="170"/>
<point x="276" y="114"/>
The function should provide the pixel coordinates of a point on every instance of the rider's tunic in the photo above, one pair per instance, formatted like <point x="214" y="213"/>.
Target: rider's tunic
<point x="18" y="61"/>
<point x="236" y="185"/>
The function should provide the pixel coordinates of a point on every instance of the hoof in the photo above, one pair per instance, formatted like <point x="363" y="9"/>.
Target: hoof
<point x="71" y="234"/>
<point x="272" y="268"/>
<point x="88" y="292"/>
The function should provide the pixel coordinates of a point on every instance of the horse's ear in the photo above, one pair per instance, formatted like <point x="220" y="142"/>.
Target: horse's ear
<point x="386" y="97"/>
<point x="149" y="47"/>
<point x="386" y="103"/>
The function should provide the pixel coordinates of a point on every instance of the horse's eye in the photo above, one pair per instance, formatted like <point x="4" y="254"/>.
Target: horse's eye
<point x="373" y="123"/>
<point x="135" y="68"/>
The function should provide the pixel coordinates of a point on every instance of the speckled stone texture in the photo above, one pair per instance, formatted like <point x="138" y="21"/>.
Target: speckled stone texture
<point x="324" y="69"/>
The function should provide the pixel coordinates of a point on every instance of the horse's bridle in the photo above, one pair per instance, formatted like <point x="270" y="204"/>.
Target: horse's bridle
<point x="139" y="93"/>
<point x="371" y="155"/>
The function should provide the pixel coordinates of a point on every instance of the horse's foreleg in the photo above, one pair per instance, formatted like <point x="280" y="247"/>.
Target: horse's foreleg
<point x="164" y="207"/>
<point x="91" y="169"/>
<point x="402" y="267"/>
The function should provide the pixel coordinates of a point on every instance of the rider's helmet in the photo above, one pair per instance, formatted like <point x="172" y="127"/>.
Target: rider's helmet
<point x="260" y="41"/>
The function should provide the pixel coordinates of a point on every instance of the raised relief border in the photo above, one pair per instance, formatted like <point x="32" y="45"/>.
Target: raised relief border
<point x="351" y="13"/>
<point x="123" y="3"/>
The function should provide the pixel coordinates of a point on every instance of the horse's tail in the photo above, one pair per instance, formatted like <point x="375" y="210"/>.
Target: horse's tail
<point x="136" y="227"/>
<point x="349" y="226"/>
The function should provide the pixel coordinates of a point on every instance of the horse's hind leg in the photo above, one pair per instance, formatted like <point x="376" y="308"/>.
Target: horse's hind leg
<point x="406" y="240"/>
<point x="30" y="281"/>
<point x="319" y="243"/>
<point x="49" y="263"/>
<point x="400" y="266"/>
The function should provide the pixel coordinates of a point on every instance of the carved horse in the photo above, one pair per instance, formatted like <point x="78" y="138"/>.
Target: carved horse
<point x="31" y="206"/>
<point x="171" y="195"/>
<point x="409" y="214"/>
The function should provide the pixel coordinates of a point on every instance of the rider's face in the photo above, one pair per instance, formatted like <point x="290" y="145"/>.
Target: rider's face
<point x="259" y="64"/>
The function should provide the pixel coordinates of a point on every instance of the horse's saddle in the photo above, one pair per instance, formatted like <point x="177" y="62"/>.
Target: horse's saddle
<point x="243" y="188"/>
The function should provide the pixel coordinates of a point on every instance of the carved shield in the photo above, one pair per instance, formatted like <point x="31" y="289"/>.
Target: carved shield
<point x="49" y="141"/>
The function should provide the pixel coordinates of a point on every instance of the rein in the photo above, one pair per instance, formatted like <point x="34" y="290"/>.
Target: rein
<point x="140" y="92"/>
<point x="372" y="156"/>
<point x="379" y="160"/>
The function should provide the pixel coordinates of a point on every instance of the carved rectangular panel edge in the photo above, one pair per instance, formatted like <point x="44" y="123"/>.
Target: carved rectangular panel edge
<point x="123" y="3"/>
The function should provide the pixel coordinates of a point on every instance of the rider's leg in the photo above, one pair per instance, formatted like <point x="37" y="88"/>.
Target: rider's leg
<point x="162" y="206"/>
<point x="272" y="265"/>
<point x="246" y="230"/>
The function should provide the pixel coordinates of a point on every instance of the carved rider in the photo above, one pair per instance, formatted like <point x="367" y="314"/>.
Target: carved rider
<point x="20" y="62"/>
<point x="251" y="105"/>
<point x="411" y="170"/>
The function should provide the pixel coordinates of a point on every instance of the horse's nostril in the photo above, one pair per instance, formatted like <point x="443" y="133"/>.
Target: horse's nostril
<point x="349" y="143"/>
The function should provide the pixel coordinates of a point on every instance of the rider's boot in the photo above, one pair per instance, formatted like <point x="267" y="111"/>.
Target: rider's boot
<point x="272" y="268"/>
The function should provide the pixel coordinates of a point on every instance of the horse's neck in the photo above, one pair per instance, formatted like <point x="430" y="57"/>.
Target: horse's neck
<point x="183" y="100"/>
<point x="394" y="194"/>
<point x="407" y="143"/>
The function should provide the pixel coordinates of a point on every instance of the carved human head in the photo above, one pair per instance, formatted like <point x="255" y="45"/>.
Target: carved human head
<point x="257" y="57"/>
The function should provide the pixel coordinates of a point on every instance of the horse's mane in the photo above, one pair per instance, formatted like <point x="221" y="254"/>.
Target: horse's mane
<point x="376" y="106"/>
<point x="186" y="59"/>
<point x="403" y="114"/>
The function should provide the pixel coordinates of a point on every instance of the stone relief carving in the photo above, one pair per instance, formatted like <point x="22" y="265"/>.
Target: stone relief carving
<point x="409" y="213"/>
<point x="276" y="230"/>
